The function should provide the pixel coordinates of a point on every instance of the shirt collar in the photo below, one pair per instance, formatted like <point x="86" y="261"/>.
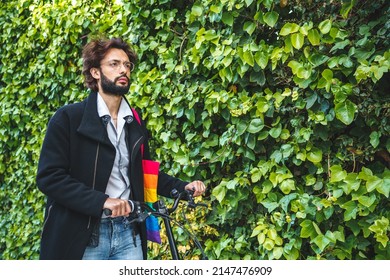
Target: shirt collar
<point x="123" y="112"/>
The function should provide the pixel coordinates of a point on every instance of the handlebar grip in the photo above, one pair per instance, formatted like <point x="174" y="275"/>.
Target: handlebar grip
<point x="107" y="212"/>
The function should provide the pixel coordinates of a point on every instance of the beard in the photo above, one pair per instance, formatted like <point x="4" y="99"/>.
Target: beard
<point x="110" y="87"/>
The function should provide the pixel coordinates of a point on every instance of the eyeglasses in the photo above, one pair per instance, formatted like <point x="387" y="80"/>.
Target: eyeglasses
<point x="116" y="65"/>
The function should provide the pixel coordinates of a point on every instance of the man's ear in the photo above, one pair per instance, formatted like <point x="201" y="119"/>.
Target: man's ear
<point x="95" y="73"/>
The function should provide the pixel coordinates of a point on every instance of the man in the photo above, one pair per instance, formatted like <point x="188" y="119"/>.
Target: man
<point x="91" y="159"/>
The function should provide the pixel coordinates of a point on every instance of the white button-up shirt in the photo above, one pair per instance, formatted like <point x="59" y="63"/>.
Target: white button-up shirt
<point x="119" y="183"/>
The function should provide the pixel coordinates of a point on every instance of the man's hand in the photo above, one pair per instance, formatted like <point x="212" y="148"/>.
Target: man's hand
<point x="118" y="207"/>
<point x="198" y="187"/>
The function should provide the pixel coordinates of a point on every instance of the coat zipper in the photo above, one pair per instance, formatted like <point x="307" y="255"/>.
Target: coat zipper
<point x="47" y="218"/>
<point x="94" y="178"/>
<point x="135" y="144"/>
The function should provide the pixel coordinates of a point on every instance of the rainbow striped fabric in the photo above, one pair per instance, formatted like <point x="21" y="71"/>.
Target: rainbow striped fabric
<point x="151" y="169"/>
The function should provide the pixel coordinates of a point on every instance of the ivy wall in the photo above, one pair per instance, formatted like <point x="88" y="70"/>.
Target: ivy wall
<point x="282" y="107"/>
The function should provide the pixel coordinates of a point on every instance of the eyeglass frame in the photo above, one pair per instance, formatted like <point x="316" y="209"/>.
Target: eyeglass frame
<point x="116" y="64"/>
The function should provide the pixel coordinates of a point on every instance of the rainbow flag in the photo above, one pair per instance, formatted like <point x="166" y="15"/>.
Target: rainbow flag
<point x="151" y="169"/>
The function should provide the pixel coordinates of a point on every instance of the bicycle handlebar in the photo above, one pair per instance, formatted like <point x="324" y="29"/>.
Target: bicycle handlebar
<point x="138" y="213"/>
<point x="142" y="210"/>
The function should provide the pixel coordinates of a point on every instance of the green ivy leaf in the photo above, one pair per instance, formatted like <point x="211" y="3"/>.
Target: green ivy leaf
<point x="219" y="192"/>
<point x="350" y="210"/>
<point x="307" y="229"/>
<point x="314" y="155"/>
<point x="314" y="37"/>
<point x="227" y="18"/>
<point x="321" y="241"/>
<point x="287" y="186"/>
<point x="275" y="131"/>
<point x="346" y="8"/>
<point x="249" y="27"/>
<point x="337" y="174"/>
<point x="375" y="138"/>
<point x="270" y="205"/>
<point x="325" y="26"/>
<point x="345" y="111"/>
<point x="270" y="18"/>
<point x="248" y="58"/>
<point x="297" y="40"/>
<point x="289" y="28"/>
<point x="367" y="200"/>
<point x="373" y="183"/>
<point x="262" y="59"/>
<point x="255" y="126"/>
<point x="197" y="10"/>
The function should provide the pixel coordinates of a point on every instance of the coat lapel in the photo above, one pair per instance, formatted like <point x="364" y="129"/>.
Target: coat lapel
<point x="92" y="125"/>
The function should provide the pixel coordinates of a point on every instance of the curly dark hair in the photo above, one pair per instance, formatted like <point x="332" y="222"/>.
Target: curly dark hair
<point x="94" y="52"/>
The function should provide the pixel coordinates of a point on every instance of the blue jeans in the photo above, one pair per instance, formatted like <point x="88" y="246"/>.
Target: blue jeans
<point x="116" y="242"/>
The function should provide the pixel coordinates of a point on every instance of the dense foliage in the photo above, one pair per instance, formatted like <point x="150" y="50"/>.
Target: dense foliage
<point x="282" y="107"/>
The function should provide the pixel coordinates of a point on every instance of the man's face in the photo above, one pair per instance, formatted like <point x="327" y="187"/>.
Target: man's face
<point x="114" y="78"/>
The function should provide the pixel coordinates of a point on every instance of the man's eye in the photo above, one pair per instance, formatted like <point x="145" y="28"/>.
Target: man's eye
<point x="114" y="64"/>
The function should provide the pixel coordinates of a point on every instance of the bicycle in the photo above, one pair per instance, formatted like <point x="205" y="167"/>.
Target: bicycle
<point x="142" y="211"/>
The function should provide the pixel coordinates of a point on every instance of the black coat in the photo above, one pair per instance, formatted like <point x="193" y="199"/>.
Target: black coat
<point x="74" y="167"/>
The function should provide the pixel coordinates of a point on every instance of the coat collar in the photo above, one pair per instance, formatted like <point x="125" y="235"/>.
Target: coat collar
<point x="93" y="126"/>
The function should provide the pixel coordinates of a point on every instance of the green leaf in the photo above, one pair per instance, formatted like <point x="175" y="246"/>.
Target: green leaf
<point x="270" y="205"/>
<point x="346" y="8"/>
<point x="284" y="202"/>
<point x="262" y="105"/>
<point x="318" y="59"/>
<point x="314" y="37"/>
<point x="289" y="28"/>
<point x="248" y="58"/>
<point x="365" y="174"/>
<point x="325" y="26"/>
<point x="255" y="175"/>
<point x="384" y="188"/>
<point x="350" y="210"/>
<point x="345" y="111"/>
<point x="257" y="230"/>
<point x="196" y="10"/>
<point x="258" y="77"/>
<point x="307" y="229"/>
<point x="275" y="131"/>
<point x="268" y="244"/>
<point x="270" y="18"/>
<point x="314" y="155"/>
<point x="219" y="192"/>
<point x="216" y="9"/>
<point x="337" y="174"/>
<point x="227" y="18"/>
<point x="367" y="200"/>
<point x="255" y="126"/>
<point x="321" y="241"/>
<point x="261" y="59"/>
<point x="297" y="40"/>
<point x="327" y="74"/>
<point x="287" y="186"/>
<point x="380" y="228"/>
<point x="241" y="127"/>
<point x="373" y="183"/>
<point x="249" y="27"/>
<point x="248" y="2"/>
<point x="375" y="138"/>
<point x="295" y="66"/>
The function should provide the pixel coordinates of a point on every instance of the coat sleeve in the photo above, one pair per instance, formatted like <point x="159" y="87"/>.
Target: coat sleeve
<point x="53" y="175"/>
